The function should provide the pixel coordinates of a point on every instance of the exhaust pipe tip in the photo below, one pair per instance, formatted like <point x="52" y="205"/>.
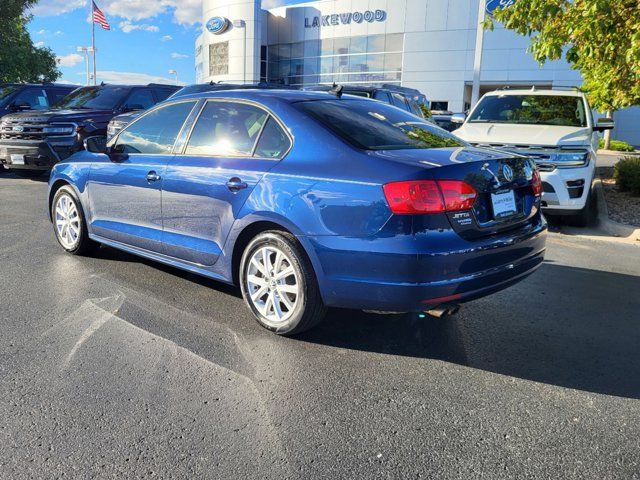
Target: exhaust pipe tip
<point x="443" y="310"/>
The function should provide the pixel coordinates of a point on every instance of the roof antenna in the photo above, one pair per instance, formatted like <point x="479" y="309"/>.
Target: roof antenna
<point x="336" y="90"/>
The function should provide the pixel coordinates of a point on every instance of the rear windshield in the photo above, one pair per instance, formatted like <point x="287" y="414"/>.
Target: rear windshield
<point x="531" y="110"/>
<point x="372" y="125"/>
<point x="94" y="98"/>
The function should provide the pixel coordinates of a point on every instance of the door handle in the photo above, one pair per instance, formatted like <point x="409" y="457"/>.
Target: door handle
<point x="235" y="184"/>
<point x="153" y="176"/>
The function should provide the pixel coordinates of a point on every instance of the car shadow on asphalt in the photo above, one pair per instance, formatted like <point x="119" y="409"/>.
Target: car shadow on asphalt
<point x="563" y="326"/>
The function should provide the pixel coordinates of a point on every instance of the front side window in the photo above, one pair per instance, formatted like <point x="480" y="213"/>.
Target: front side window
<point x="156" y="132"/>
<point x="531" y="110"/>
<point x="372" y="125"/>
<point x="140" y="99"/>
<point x="226" y="129"/>
<point x="98" y="98"/>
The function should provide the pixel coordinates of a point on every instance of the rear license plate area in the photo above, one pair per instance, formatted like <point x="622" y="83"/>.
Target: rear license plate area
<point x="503" y="204"/>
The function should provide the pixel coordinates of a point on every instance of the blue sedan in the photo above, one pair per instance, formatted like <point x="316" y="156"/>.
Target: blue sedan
<point x="306" y="200"/>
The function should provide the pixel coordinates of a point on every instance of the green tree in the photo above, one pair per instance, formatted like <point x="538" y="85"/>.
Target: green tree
<point x="599" y="38"/>
<point x="20" y="59"/>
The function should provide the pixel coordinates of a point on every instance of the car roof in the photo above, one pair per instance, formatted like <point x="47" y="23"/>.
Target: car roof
<point x="290" y="96"/>
<point x="528" y="91"/>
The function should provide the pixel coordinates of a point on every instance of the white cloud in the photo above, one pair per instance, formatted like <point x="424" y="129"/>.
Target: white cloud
<point x="70" y="60"/>
<point x="186" y="12"/>
<point x="127" y="27"/>
<point x="58" y="33"/>
<point x="41" y="32"/>
<point x="166" y="38"/>
<point x="179" y="56"/>
<point x="110" y="76"/>
<point x="38" y="44"/>
<point x="56" y="7"/>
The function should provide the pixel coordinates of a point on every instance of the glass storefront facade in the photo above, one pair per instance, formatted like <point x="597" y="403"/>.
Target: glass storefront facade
<point x="353" y="60"/>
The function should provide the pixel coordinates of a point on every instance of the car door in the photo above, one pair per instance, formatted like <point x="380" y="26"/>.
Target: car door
<point x="232" y="145"/>
<point x="124" y="188"/>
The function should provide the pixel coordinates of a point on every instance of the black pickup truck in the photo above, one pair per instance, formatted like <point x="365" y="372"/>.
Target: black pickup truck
<point x="32" y="142"/>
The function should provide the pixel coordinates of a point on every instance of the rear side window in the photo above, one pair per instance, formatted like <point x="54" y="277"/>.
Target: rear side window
<point x="156" y="132"/>
<point x="162" y="93"/>
<point x="226" y="129"/>
<point x="273" y="142"/>
<point x="372" y="125"/>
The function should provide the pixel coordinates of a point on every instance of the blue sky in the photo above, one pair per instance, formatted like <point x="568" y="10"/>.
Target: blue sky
<point x="147" y="38"/>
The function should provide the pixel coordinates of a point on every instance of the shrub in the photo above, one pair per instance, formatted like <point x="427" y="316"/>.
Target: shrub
<point x="618" y="146"/>
<point x="627" y="174"/>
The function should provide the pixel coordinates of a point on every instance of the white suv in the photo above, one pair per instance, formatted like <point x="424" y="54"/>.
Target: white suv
<point x="555" y="128"/>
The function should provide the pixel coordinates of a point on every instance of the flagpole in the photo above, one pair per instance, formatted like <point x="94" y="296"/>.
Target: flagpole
<point x="93" y="44"/>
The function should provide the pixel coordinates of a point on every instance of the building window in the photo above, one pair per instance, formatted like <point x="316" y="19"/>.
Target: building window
<point x="263" y="63"/>
<point x="440" y="106"/>
<point x="361" y="59"/>
<point x="219" y="59"/>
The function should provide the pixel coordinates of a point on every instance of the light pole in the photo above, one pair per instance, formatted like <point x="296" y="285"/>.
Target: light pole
<point x="86" y="51"/>
<point x="174" y="72"/>
<point x="477" y="62"/>
<point x="242" y="24"/>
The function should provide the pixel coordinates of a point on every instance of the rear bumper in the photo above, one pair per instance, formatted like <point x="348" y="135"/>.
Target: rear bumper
<point x="375" y="278"/>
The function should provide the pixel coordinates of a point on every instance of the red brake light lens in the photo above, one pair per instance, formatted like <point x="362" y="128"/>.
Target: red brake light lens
<point x="536" y="183"/>
<point x="429" y="196"/>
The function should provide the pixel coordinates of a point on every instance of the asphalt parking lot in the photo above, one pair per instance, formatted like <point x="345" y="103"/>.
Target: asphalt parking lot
<point x="113" y="366"/>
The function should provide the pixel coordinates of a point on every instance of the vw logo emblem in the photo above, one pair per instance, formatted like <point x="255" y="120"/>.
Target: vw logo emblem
<point x="507" y="173"/>
<point x="18" y="128"/>
<point x="217" y="25"/>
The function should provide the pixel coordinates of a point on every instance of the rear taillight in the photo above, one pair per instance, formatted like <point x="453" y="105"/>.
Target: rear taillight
<point x="429" y="196"/>
<point x="536" y="183"/>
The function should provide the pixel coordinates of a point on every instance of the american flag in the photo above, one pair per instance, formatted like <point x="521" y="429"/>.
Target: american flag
<point x="98" y="17"/>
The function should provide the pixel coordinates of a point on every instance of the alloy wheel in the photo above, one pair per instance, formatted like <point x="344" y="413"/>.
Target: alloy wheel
<point x="272" y="284"/>
<point x="67" y="219"/>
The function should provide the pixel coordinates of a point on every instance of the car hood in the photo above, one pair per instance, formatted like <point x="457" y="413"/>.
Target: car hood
<point x="441" y="157"/>
<point x="511" y="134"/>
<point x="50" y="116"/>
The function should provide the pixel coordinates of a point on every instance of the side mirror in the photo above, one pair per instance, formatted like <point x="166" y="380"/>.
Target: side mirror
<point x="604" y="124"/>
<point x="458" y="118"/>
<point x="96" y="144"/>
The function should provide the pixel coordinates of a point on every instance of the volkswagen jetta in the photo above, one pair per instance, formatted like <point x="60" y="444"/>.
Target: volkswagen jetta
<point x="306" y="200"/>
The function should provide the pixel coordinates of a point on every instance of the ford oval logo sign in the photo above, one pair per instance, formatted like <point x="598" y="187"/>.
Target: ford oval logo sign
<point x="217" y="25"/>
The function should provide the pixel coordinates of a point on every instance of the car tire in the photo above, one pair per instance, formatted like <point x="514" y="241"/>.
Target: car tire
<point x="25" y="173"/>
<point x="279" y="284"/>
<point x="69" y="224"/>
<point x="584" y="216"/>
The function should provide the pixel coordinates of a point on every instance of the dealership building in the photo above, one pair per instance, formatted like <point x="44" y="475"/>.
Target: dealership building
<point x="425" y="44"/>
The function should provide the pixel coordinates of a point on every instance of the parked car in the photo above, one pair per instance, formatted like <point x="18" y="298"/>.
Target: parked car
<point x="404" y="98"/>
<point x="443" y="120"/>
<point x="118" y="123"/>
<point x="306" y="200"/>
<point x="17" y="97"/>
<point x="32" y="142"/>
<point x="553" y="127"/>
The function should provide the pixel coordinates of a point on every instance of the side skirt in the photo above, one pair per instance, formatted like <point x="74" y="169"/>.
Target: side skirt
<point x="158" y="257"/>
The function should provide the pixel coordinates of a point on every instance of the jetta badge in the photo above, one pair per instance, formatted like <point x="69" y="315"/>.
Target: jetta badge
<point x="507" y="173"/>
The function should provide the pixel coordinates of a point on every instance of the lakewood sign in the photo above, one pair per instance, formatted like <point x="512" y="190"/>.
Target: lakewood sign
<point x="335" y="19"/>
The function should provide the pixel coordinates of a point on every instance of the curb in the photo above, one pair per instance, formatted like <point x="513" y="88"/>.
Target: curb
<point x="611" y="227"/>
<point x="602" y="151"/>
